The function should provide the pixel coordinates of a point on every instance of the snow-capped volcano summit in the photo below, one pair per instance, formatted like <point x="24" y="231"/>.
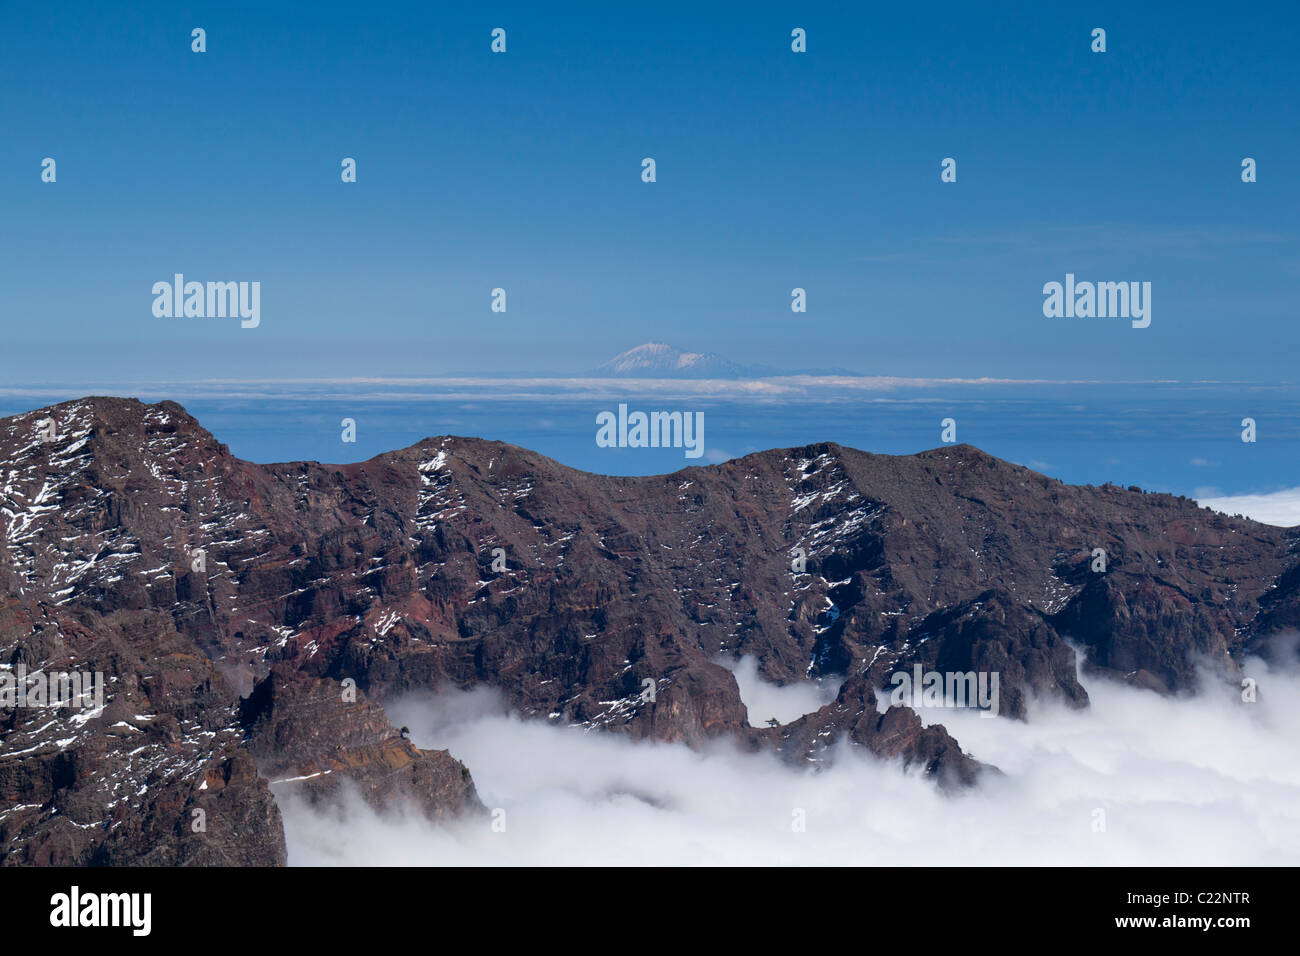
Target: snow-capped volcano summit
<point x="657" y="360"/>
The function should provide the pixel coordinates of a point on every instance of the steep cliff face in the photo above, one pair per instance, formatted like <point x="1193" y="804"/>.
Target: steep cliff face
<point x="127" y="540"/>
<point x="257" y="615"/>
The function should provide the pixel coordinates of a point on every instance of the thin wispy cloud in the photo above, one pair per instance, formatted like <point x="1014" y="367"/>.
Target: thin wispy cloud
<point x="787" y="387"/>
<point x="1110" y="239"/>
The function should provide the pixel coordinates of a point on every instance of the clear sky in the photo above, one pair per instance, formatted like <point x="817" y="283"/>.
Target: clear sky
<point x="522" y="170"/>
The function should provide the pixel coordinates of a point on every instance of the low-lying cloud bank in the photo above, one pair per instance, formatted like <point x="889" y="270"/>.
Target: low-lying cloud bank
<point x="1134" y="779"/>
<point x="1281" y="508"/>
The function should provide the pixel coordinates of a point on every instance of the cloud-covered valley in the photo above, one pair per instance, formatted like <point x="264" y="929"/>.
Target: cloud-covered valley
<point x="1134" y="779"/>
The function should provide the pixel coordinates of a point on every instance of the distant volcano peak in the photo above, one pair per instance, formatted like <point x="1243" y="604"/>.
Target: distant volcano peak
<point x="660" y="360"/>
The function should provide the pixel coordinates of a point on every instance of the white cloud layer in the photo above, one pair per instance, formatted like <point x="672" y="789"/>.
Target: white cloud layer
<point x="1205" y="780"/>
<point x="1281" y="508"/>
<point x="764" y="700"/>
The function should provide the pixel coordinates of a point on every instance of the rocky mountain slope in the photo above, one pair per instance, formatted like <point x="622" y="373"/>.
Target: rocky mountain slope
<point x="250" y="620"/>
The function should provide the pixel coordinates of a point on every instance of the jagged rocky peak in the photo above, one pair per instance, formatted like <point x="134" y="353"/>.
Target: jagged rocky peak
<point x="105" y="416"/>
<point x="251" y="620"/>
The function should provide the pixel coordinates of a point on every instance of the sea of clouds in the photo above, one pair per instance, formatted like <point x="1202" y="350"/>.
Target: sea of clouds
<point x="1136" y="778"/>
<point x="1280" y="508"/>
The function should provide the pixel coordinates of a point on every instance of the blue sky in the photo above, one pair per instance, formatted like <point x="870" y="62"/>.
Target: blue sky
<point x="522" y="170"/>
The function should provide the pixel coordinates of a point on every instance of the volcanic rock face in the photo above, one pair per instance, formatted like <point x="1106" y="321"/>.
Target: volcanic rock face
<point x="306" y="732"/>
<point x="250" y="619"/>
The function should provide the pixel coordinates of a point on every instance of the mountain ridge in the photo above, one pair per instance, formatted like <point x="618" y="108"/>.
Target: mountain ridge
<point x="326" y="590"/>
